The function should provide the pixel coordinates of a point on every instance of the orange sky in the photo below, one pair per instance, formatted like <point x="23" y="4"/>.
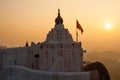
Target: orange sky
<point x="31" y="20"/>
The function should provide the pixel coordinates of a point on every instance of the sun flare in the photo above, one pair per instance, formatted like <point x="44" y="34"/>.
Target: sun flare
<point x="108" y="26"/>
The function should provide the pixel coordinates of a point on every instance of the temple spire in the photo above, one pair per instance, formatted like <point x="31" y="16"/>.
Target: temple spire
<point x="58" y="12"/>
<point x="59" y="19"/>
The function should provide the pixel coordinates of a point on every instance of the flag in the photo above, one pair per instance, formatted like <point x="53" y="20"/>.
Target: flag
<point x="79" y="26"/>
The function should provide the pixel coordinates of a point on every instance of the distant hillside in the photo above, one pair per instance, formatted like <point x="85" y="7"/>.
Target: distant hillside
<point x="109" y="58"/>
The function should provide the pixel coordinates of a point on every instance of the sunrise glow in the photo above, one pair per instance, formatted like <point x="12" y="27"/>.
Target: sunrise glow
<point x="29" y="20"/>
<point x="108" y="26"/>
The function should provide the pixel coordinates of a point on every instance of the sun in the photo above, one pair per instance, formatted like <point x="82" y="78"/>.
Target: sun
<point x="108" y="26"/>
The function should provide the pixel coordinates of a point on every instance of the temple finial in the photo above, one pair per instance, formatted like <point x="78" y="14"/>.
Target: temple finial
<point x="59" y="19"/>
<point x="58" y="12"/>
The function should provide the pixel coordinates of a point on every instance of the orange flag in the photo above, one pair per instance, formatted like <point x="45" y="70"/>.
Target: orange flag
<point x="79" y="26"/>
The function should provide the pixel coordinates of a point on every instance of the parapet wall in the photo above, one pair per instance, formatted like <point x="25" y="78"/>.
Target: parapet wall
<point x="22" y="73"/>
<point x="54" y="57"/>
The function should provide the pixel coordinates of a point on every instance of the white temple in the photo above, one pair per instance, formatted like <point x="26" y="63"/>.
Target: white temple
<point x="58" y="56"/>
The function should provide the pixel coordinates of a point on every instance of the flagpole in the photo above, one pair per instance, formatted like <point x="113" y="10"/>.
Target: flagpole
<point x="76" y="32"/>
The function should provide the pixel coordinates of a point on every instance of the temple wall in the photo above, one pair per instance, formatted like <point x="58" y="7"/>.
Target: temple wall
<point x="57" y="57"/>
<point x="14" y="56"/>
<point x="21" y="73"/>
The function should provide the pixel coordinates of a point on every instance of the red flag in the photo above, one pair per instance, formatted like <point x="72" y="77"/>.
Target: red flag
<point x="79" y="26"/>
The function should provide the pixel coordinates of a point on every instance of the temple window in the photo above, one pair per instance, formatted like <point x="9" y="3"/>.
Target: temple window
<point x="36" y="56"/>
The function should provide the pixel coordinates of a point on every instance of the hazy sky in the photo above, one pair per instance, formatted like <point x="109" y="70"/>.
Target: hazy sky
<point x="31" y="20"/>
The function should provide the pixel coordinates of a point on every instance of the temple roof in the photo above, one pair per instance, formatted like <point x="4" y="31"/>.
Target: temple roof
<point x="59" y="33"/>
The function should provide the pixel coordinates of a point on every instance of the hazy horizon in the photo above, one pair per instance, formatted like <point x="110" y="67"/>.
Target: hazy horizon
<point x="28" y="20"/>
<point x="111" y="60"/>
